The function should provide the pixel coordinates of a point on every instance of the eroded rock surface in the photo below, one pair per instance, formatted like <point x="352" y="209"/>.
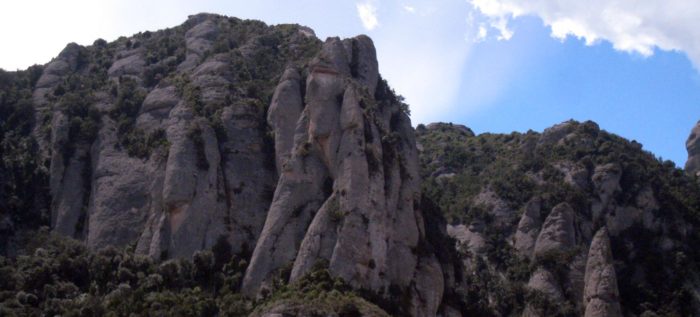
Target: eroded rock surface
<point x="180" y="151"/>
<point x="347" y="191"/>
<point x="601" y="297"/>
<point x="528" y="228"/>
<point x="176" y="164"/>
<point x="557" y="232"/>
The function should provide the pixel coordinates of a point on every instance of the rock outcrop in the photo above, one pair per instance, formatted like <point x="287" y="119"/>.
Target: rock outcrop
<point x="176" y="150"/>
<point x="528" y="228"/>
<point x="692" y="166"/>
<point x="470" y="237"/>
<point x="606" y="182"/>
<point x="183" y="166"/>
<point x="601" y="297"/>
<point x="557" y="233"/>
<point x="348" y="186"/>
<point x="544" y="284"/>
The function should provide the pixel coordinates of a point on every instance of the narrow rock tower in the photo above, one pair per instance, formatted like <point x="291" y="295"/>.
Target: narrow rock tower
<point x="600" y="296"/>
<point x="349" y="187"/>
<point x="692" y="166"/>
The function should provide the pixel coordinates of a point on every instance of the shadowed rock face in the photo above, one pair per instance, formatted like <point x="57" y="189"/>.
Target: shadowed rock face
<point x="692" y="166"/>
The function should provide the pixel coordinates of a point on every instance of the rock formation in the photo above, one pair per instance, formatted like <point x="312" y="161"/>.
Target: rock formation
<point x="469" y="237"/>
<point x="206" y="188"/>
<point x="557" y="233"/>
<point x="692" y="166"/>
<point x="295" y="163"/>
<point x="542" y="283"/>
<point x="601" y="297"/>
<point x="528" y="228"/>
<point x="606" y="182"/>
<point x="348" y="183"/>
<point x="185" y="153"/>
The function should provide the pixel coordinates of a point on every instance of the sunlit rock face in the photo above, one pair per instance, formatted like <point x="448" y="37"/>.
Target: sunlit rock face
<point x="348" y="189"/>
<point x="291" y="151"/>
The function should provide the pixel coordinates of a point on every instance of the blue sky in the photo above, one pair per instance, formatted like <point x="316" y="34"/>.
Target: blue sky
<point x="493" y="65"/>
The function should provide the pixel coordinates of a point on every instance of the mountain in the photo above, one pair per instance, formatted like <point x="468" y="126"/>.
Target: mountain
<point x="227" y="167"/>
<point x="261" y="141"/>
<point x="570" y="221"/>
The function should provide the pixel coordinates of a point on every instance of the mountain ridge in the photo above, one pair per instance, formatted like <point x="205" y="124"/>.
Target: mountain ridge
<point x="237" y="168"/>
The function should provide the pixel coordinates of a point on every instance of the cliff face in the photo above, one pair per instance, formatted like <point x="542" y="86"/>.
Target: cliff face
<point x="348" y="189"/>
<point x="290" y="151"/>
<point x="173" y="151"/>
<point x="692" y="166"/>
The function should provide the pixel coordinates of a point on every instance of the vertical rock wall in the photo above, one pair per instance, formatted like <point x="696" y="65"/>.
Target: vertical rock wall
<point x="327" y="174"/>
<point x="348" y="186"/>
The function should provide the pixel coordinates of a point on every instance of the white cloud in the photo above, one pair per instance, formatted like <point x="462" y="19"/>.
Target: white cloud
<point x="422" y="55"/>
<point x="481" y="34"/>
<point x="630" y="25"/>
<point x="409" y="9"/>
<point x="368" y="15"/>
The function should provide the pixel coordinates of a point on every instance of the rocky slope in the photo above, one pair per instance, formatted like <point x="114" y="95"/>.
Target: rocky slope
<point x="571" y="221"/>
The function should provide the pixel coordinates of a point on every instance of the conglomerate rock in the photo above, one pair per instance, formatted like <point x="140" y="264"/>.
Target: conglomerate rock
<point x="601" y="296"/>
<point x="289" y="151"/>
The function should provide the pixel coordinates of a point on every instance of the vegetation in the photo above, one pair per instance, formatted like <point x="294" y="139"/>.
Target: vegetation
<point x="22" y="173"/>
<point x="59" y="276"/>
